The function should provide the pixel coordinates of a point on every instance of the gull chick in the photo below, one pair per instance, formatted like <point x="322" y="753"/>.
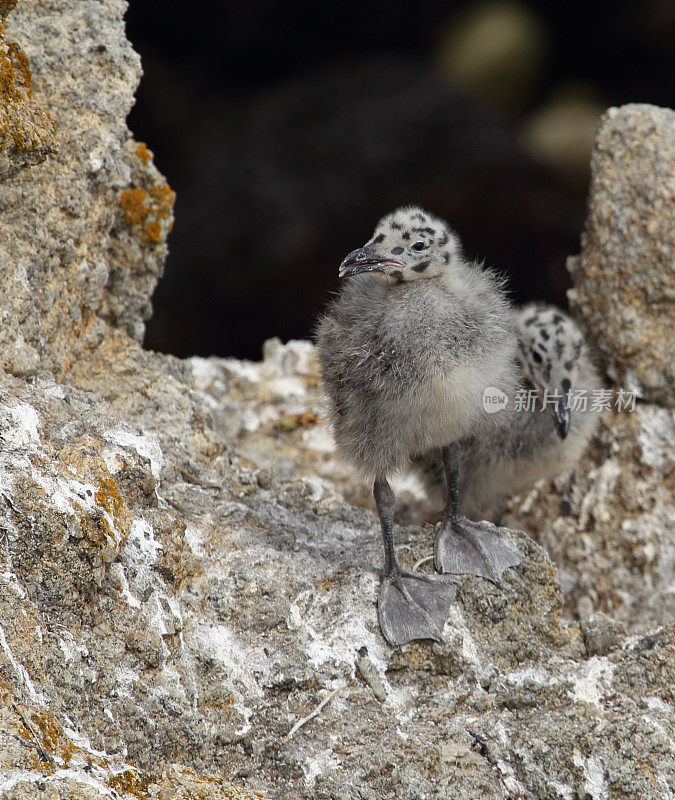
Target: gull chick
<point x="547" y="434"/>
<point x="407" y="349"/>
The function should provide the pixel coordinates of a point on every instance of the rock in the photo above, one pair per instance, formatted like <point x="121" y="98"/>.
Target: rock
<point x="187" y="599"/>
<point x="26" y="130"/>
<point x="607" y="525"/>
<point x="601" y="634"/>
<point x="82" y="235"/>
<point x="233" y="607"/>
<point x="624" y="280"/>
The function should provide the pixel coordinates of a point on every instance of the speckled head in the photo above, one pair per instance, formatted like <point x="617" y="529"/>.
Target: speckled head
<point x="551" y="348"/>
<point x="407" y="245"/>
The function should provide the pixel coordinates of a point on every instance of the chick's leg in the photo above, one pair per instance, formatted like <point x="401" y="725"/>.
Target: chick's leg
<point x="464" y="547"/>
<point x="410" y="605"/>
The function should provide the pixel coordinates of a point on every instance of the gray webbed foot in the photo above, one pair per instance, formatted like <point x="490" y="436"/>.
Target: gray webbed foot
<point x="413" y="606"/>
<point x="464" y="547"/>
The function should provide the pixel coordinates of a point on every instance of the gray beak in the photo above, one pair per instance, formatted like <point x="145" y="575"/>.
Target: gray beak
<point x="561" y="413"/>
<point x="366" y="259"/>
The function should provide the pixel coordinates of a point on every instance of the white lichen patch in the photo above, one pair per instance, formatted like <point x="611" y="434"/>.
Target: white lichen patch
<point x="145" y="445"/>
<point x="456" y="624"/>
<point x="280" y="375"/>
<point x="337" y="645"/>
<point x="595" y="785"/>
<point x="19" y="426"/>
<point x="244" y="666"/>
<point x="319" y="439"/>
<point x="141" y="547"/>
<point x="21" y="673"/>
<point x="594" y="681"/>
<point x="656" y="435"/>
<point x="528" y="675"/>
<point x="195" y="540"/>
<point x="318" y="765"/>
<point x="93" y="778"/>
<point x="119" y="580"/>
<point x="245" y="669"/>
<point x="65" y="494"/>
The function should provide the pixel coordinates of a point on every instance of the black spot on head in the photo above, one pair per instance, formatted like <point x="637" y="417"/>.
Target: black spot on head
<point x="530" y="320"/>
<point x="397" y="251"/>
<point x="396" y="226"/>
<point x="397" y="275"/>
<point x="405" y="236"/>
<point x="536" y="356"/>
<point x="378" y="239"/>
<point x="544" y="334"/>
<point x="418" y="215"/>
<point x="568" y="366"/>
<point x="421" y="266"/>
<point x="557" y="319"/>
<point x="565" y="508"/>
<point x="566" y="385"/>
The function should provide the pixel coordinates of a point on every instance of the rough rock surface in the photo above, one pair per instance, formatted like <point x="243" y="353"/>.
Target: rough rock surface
<point x="82" y="236"/>
<point x="26" y="131"/>
<point x="624" y="279"/>
<point x="187" y="599"/>
<point x="178" y="605"/>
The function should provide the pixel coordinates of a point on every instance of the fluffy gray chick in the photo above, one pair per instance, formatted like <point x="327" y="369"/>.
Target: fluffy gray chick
<point x="544" y="439"/>
<point x="406" y="350"/>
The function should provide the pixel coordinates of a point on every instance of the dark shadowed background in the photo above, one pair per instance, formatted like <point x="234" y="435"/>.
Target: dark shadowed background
<point x="287" y="130"/>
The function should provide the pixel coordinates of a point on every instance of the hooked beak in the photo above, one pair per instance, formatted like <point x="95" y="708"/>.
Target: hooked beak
<point x="366" y="259"/>
<point x="561" y="414"/>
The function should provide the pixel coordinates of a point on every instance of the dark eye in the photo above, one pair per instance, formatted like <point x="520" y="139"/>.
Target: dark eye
<point x="536" y="357"/>
<point x="418" y="246"/>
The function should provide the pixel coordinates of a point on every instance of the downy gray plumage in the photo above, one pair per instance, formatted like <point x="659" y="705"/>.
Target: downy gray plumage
<point x="546" y="437"/>
<point x="407" y="349"/>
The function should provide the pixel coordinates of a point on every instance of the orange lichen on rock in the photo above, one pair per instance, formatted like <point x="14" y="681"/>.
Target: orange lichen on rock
<point x="21" y="65"/>
<point x="109" y="498"/>
<point x="134" y="205"/>
<point x="147" y="211"/>
<point x="143" y="153"/>
<point x="44" y="729"/>
<point x="152" y="232"/>
<point x="9" y="92"/>
<point x="113" y="525"/>
<point x="164" y="197"/>
<point x="6" y="6"/>
<point x="26" y="132"/>
<point x="130" y="782"/>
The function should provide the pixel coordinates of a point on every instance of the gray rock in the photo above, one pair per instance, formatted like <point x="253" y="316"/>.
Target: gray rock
<point x="82" y="235"/>
<point x="608" y="524"/>
<point x="601" y="634"/>
<point x="26" y="130"/>
<point x="187" y="599"/>
<point x="624" y="279"/>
